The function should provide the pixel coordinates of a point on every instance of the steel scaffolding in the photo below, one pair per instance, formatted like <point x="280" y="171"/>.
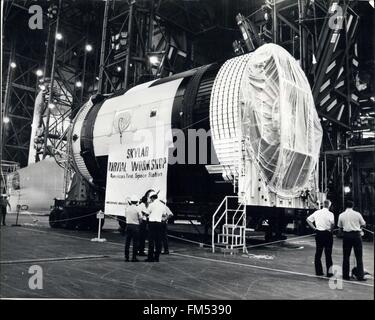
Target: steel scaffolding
<point x="53" y="74"/>
<point x="21" y="57"/>
<point x="323" y="35"/>
<point x="133" y="35"/>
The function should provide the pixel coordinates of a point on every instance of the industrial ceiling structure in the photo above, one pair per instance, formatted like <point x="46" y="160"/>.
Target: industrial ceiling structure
<point x="105" y="47"/>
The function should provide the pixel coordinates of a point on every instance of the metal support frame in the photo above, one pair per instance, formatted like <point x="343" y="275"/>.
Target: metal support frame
<point x="339" y="111"/>
<point x="52" y="77"/>
<point x="135" y="29"/>
<point x="122" y="68"/>
<point x="61" y="62"/>
<point x="19" y="96"/>
<point x="64" y="67"/>
<point x="335" y="48"/>
<point x="302" y="27"/>
<point x="65" y="62"/>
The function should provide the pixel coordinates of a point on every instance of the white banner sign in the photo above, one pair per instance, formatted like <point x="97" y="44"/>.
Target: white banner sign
<point x="139" y="144"/>
<point x="138" y="161"/>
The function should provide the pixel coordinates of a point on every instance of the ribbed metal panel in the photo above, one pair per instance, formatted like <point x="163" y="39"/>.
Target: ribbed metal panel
<point x="225" y="114"/>
<point x="78" y="161"/>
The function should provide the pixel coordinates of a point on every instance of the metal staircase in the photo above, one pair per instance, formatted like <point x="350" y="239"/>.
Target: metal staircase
<point x="229" y="225"/>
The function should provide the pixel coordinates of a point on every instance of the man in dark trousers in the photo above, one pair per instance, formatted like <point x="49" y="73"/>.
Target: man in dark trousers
<point x="143" y="227"/>
<point x="133" y="217"/>
<point x="164" y="228"/>
<point x="324" y="221"/>
<point x="351" y="223"/>
<point x="157" y="210"/>
<point x="4" y="204"/>
<point x="142" y="234"/>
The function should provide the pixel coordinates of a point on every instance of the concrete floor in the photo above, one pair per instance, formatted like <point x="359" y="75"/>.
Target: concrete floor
<point x="75" y="267"/>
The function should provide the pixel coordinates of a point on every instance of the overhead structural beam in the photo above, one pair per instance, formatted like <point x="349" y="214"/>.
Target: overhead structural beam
<point x="102" y="46"/>
<point x="287" y="22"/>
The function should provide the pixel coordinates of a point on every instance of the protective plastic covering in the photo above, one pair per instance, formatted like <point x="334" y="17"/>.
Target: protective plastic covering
<point x="264" y="124"/>
<point x="280" y="125"/>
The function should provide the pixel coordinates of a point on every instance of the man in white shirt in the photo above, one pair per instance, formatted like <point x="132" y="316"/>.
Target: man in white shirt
<point x="351" y="223"/>
<point x="324" y="221"/>
<point x="143" y="227"/>
<point x="133" y="216"/>
<point x="157" y="211"/>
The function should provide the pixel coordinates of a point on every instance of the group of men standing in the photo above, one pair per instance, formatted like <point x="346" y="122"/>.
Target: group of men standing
<point x="150" y="217"/>
<point x="350" y="223"/>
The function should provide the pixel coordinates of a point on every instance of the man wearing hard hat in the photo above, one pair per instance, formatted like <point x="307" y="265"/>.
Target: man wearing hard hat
<point x="133" y="217"/>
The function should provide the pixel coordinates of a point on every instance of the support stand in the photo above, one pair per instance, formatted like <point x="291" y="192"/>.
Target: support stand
<point x="100" y="216"/>
<point x="18" y="213"/>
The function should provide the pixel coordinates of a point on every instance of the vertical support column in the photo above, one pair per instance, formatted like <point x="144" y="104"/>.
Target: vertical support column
<point x="150" y="36"/>
<point x="274" y="23"/>
<point x="130" y="38"/>
<point x="83" y="77"/>
<point x="321" y="173"/>
<point x="102" y="47"/>
<point x="347" y="64"/>
<point x="45" y="69"/>
<point x="46" y="129"/>
<point x="6" y="105"/>
<point x="325" y="173"/>
<point x="9" y="79"/>
<point x="342" y="181"/>
<point x="213" y="233"/>
<point x="244" y="230"/>
<point x="356" y="180"/>
<point x="302" y="48"/>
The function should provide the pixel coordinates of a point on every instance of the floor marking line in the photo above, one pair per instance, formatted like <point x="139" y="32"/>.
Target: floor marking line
<point x="70" y="236"/>
<point x="222" y="261"/>
<point x="122" y="244"/>
<point x="54" y="259"/>
<point x="190" y="241"/>
<point x="268" y="269"/>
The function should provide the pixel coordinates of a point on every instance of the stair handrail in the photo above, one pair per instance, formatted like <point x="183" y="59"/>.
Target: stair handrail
<point x="225" y="214"/>
<point x="214" y="225"/>
<point x="242" y="215"/>
<point x="241" y="218"/>
<point x="235" y="213"/>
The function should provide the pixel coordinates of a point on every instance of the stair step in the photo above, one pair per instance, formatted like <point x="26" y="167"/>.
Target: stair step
<point x="224" y="246"/>
<point x="229" y="232"/>
<point x="229" y="235"/>
<point x="221" y="244"/>
<point x="232" y="226"/>
<point x="249" y="229"/>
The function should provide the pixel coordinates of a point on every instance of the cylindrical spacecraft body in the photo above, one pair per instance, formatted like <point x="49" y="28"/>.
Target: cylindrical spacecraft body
<point x="256" y="112"/>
